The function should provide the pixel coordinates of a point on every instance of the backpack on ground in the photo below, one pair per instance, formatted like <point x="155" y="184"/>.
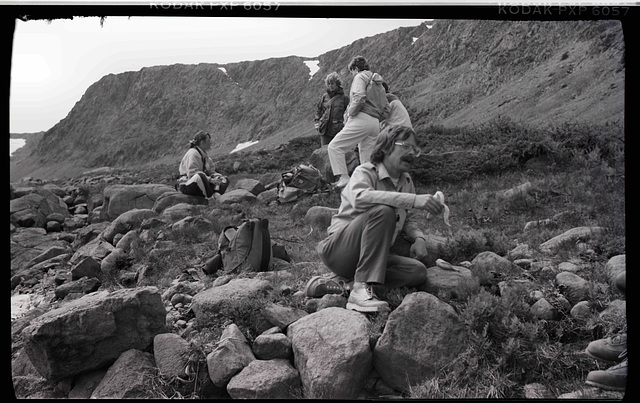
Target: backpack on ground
<point x="300" y="181"/>
<point x="247" y="246"/>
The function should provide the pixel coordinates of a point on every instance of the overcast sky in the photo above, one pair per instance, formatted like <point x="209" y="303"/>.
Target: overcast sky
<point x="55" y="62"/>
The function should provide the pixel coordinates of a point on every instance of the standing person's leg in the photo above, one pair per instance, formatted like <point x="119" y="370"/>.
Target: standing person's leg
<point x="344" y="141"/>
<point x="404" y="271"/>
<point x="368" y="138"/>
<point x="360" y="250"/>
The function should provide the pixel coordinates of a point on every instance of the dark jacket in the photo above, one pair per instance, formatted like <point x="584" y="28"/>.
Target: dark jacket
<point x="329" y="112"/>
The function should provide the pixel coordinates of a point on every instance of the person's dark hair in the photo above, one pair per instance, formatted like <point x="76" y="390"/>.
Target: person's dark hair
<point x="198" y="138"/>
<point x="333" y="78"/>
<point x="360" y="63"/>
<point x="386" y="139"/>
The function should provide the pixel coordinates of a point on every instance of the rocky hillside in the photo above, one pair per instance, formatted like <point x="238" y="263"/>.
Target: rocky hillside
<point x="456" y="73"/>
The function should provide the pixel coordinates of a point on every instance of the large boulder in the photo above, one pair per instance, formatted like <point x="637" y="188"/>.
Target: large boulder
<point x="237" y="196"/>
<point x="31" y="210"/>
<point x="127" y="221"/>
<point x="332" y="353"/>
<point x="252" y="185"/>
<point x="320" y="159"/>
<point x="615" y="265"/>
<point x="92" y="331"/>
<point x="130" y="377"/>
<point x="421" y="336"/>
<point x="97" y="249"/>
<point x="118" y="199"/>
<point x="266" y="379"/>
<point x="172" y="198"/>
<point x="29" y="243"/>
<point x="231" y="355"/>
<point x="171" y="353"/>
<point x="227" y="298"/>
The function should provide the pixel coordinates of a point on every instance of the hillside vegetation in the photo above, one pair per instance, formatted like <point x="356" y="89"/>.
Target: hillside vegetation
<point x="455" y="74"/>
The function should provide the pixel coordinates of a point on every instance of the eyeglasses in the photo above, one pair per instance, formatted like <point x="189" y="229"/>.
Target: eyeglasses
<point x="416" y="150"/>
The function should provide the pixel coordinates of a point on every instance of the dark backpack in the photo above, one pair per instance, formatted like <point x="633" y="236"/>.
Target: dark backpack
<point x="300" y="181"/>
<point x="248" y="245"/>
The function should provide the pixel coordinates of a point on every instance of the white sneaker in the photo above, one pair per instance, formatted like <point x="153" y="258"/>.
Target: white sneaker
<point x="364" y="299"/>
<point x="344" y="180"/>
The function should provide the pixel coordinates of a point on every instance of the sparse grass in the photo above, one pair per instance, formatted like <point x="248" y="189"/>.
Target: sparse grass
<point x="582" y="184"/>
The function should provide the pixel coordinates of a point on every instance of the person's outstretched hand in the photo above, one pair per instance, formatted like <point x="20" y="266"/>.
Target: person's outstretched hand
<point x="429" y="203"/>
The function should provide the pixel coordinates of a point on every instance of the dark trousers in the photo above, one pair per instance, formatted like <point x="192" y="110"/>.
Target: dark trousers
<point x="360" y="251"/>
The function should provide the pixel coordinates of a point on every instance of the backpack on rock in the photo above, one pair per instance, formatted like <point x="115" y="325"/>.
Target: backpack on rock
<point x="300" y="181"/>
<point x="247" y="247"/>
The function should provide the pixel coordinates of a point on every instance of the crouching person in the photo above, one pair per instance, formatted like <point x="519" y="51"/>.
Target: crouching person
<point x="197" y="174"/>
<point x="373" y="212"/>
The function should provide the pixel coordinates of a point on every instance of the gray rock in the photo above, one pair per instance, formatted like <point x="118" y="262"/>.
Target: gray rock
<point x="197" y="222"/>
<point x="224" y="298"/>
<point x="332" y="353"/>
<point x="92" y="331"/>
<point x="615" y="265"/>
<point x="421" y="336"/>
<point x="118" y="199"/>
<point x="537" y="391"/>
<point x="130" y="377"/>
<point x="268" y="196"/>
<point x="169" y="199"/>
<point x="171" y="353"/>
<point x="115" y="261"/>
<point x="281" y="316"/>
<point x="542" y="309"/>
<point x="581" y="310"/>
<point x="231" y="355"/>
<point x="518" y="191"/>
<point x="522" y="251"/>
<point x="86" y="383"/>
<point x="127" y="241"/>
<point x="181" y="210"/>
<point x="448" y="284"/>
<point x="252" y="185"/>
<point x="571" y="236"/>
<point x="98" y="249"/>
<point x="84" y="285"/>
<point x="51" y="252"/>
<point x="491" y="268"/>
<point x="237" y="196"/>
<point x="572" y="286"/>
<point x="272" y="379"/>
<point x="272" y="346"/>
<point x="127" y="221"/>
<point x="86" y="267"/>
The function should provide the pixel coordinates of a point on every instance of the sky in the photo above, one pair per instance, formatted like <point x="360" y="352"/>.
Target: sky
<point x="53" y="63"/>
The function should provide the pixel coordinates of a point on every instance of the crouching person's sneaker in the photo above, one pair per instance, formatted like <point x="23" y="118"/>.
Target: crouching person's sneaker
<point x="614" y="378"/>
<point x="363" y="299"/>
<point x="319" y="286"/>
<point x="608" y="350"/>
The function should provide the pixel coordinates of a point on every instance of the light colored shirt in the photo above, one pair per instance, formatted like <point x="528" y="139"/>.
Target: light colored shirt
<point x="398" y="116"/>
<point x="192" y="163"/>
<point x="370" y="185"/>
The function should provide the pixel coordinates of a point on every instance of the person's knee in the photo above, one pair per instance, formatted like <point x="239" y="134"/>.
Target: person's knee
<point x="385" y="212"/>
<point x="417" y="275"/>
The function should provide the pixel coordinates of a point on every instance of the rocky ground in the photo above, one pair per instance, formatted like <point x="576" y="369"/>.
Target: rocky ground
<point x="109" y="299"/>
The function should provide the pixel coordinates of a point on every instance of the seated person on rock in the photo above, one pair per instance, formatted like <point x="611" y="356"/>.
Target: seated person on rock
<point x="197" y="174"/>
<point x="372" y="213"/>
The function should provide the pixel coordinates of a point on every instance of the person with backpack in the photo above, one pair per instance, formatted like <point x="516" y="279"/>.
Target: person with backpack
<point x="398" y="115"/>
<point x="367" y="107"/>
<point x="197" y="173"/>
<point x="330" y="109"/>
<point x="373" y="213"/>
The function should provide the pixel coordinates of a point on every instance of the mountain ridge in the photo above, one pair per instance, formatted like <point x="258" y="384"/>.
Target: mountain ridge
<point x="456" y="73"/>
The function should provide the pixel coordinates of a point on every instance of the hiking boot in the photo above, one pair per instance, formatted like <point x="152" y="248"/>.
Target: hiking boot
<point x="344" y="180"/>
<point x="319" y="286"/>
<point x="614" y="378"/>
<point x="608" y="350"/>
<point x="364" y="299"/>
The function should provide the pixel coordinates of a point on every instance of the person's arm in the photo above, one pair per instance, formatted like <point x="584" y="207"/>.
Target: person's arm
<point x="358" y="94"/>
<point x="362" y="195"/>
